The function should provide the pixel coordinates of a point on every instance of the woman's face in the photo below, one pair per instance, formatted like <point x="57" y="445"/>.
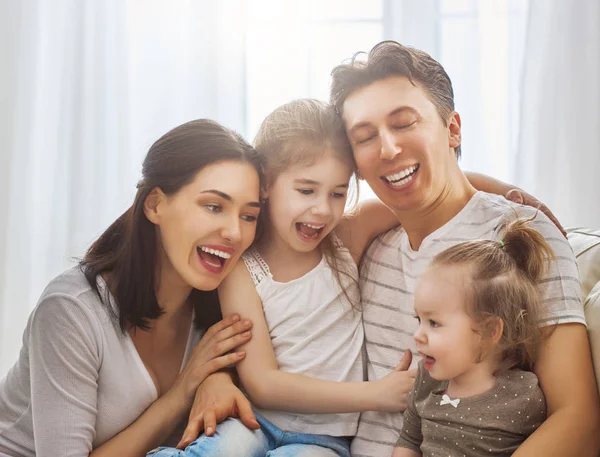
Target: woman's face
<point x="206" y="226"/>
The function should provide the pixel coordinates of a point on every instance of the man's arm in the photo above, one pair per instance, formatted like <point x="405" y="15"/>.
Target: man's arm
<point x="564" y="369"/>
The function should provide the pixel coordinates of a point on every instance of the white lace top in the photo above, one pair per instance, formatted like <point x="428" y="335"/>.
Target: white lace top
<point x="315" y="331"/>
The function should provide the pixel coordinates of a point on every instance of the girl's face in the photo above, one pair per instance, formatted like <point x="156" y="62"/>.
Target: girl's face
<point x="207" y="224"/>
<point x="447" y="337"/>
<point x="307" y="202"/>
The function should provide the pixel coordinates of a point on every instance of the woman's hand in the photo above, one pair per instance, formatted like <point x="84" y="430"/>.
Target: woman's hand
<point x="392" y="390"/>
<point x="211" y="354"/>
<point x="217" y="398"/>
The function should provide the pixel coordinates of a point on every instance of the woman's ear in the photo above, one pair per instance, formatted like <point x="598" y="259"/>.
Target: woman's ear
<point x="153" y="205"/>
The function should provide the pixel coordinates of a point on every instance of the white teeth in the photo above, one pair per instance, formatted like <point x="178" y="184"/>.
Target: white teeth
<point x="402" y="182"/>
<point x="400" y="175"/>
<point x="223" y="255"/>
<point x="317" y="227"/>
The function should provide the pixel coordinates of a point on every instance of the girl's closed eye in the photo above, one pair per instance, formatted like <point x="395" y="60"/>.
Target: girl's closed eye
<point x="306" y="191"/>
<point x="338" y="195"/>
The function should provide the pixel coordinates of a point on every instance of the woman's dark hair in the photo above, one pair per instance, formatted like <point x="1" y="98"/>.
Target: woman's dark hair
<point x="129" y="250"/>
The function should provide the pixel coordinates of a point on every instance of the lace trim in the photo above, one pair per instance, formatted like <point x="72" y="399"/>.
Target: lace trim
<point x="257" y="267"/>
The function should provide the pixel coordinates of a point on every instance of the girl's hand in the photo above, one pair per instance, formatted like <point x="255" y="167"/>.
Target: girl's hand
<point x="217" y="398"/>
<point x="208" y="356"/>
<point x="393" y="389"/>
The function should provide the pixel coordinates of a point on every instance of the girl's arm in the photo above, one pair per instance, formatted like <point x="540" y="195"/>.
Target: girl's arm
<point x="270" y="388"/>
<point x="566" y="376"/>
<point x="494" y="186"/>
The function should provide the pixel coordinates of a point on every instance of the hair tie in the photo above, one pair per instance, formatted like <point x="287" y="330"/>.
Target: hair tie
<point x="502" y="244"/>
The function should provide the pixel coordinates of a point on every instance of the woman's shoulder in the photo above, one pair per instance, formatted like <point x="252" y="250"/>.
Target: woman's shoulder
<point x="69" y="297"/>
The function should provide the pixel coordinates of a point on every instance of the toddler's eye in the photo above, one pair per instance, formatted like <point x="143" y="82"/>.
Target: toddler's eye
<point x="433" y="323"/>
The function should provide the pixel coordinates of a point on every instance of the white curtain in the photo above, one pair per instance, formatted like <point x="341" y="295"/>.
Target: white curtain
<point x="86" y="87"/>
<point x="558" y="157"/>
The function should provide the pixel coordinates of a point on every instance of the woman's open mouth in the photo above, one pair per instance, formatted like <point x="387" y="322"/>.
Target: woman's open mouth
<point x="213" y="259"/>
<point x="309" y="232"/>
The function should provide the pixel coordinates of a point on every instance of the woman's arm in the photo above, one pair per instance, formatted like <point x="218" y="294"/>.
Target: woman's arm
<point x="65" y="354"/>
<point x="564" y="369"/>
<point x="270" y="388"/>
<point x="358" y="230"/>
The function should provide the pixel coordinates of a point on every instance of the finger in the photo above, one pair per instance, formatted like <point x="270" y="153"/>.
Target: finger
<point x="515" y="195"/>
<point x="554" y="220"/>
<point x="246" y="414"/>
<point x="219" y="363"/>
<point x="210" y="422"/>
<point x="412" y="373"/>
<point x="227" y="321"/>
<point x="192" y="431"/>
<point x="405" y="361"/>
<point x="229" y="344"/>
<point x="232" y="330"/>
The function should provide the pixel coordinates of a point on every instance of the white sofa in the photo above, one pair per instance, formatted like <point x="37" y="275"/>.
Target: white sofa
<point x="586" y="245"/>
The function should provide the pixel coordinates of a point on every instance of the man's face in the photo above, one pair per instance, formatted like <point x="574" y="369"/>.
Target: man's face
<point x="402" y="147"/>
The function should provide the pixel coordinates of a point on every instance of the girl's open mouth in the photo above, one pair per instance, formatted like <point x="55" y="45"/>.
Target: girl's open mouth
<point x="309" y="232"/>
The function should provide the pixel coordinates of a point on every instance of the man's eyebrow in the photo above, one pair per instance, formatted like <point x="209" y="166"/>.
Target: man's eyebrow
<point x="227" y="197"/>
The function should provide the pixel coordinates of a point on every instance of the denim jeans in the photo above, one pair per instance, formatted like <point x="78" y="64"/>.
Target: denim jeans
<point x="233" y="439"/>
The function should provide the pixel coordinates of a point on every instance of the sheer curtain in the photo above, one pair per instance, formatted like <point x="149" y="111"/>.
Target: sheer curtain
<point x="558" y="155"/>
<point x="87" y="86"/>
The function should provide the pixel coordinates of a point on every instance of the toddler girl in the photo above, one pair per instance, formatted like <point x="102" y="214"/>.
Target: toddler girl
<point x="478" y="311"/>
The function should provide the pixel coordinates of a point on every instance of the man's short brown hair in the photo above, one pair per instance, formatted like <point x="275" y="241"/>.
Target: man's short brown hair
<point x="390" y="58"/>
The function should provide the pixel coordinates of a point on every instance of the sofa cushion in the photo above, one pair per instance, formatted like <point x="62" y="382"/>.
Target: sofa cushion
<point x="592" y="317"/>
<point x="586" y="246"/>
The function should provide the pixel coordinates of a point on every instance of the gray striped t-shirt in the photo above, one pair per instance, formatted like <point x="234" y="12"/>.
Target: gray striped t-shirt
<point x="388" y="278"/>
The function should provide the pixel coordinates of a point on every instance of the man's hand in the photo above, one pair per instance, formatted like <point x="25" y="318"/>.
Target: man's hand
<point x="523" y="198"/>
<point x="216" y="399"/>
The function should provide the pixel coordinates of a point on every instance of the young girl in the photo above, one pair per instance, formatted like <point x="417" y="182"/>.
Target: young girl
<point x="299" y="287"/>
<point x="478" y="311"/>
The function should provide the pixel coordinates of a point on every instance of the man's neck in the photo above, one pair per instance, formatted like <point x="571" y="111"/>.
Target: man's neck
<point x="437" y="212"/>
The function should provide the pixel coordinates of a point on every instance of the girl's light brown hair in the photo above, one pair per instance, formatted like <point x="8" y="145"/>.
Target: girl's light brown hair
<point x="299" y="133"/>
<point x="504" y="284"/>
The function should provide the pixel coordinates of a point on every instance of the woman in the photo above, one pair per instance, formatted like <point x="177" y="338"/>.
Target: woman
<point x="110" y="362"/>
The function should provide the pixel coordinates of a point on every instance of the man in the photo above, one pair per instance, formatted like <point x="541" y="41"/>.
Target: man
<point x="398" y="107"/>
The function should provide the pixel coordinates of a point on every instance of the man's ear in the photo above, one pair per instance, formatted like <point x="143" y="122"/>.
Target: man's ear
<point x="153" y="205"/>
<point x="454" y="130"/>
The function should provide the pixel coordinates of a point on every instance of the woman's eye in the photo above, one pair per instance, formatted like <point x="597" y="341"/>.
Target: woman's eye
<point x="213" y="208"/>
<point x="305" y="191"/>
<point x="249" y="218"/>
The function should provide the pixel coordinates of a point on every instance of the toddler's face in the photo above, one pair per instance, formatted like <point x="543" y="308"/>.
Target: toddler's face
<point x="447" y="337"/>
